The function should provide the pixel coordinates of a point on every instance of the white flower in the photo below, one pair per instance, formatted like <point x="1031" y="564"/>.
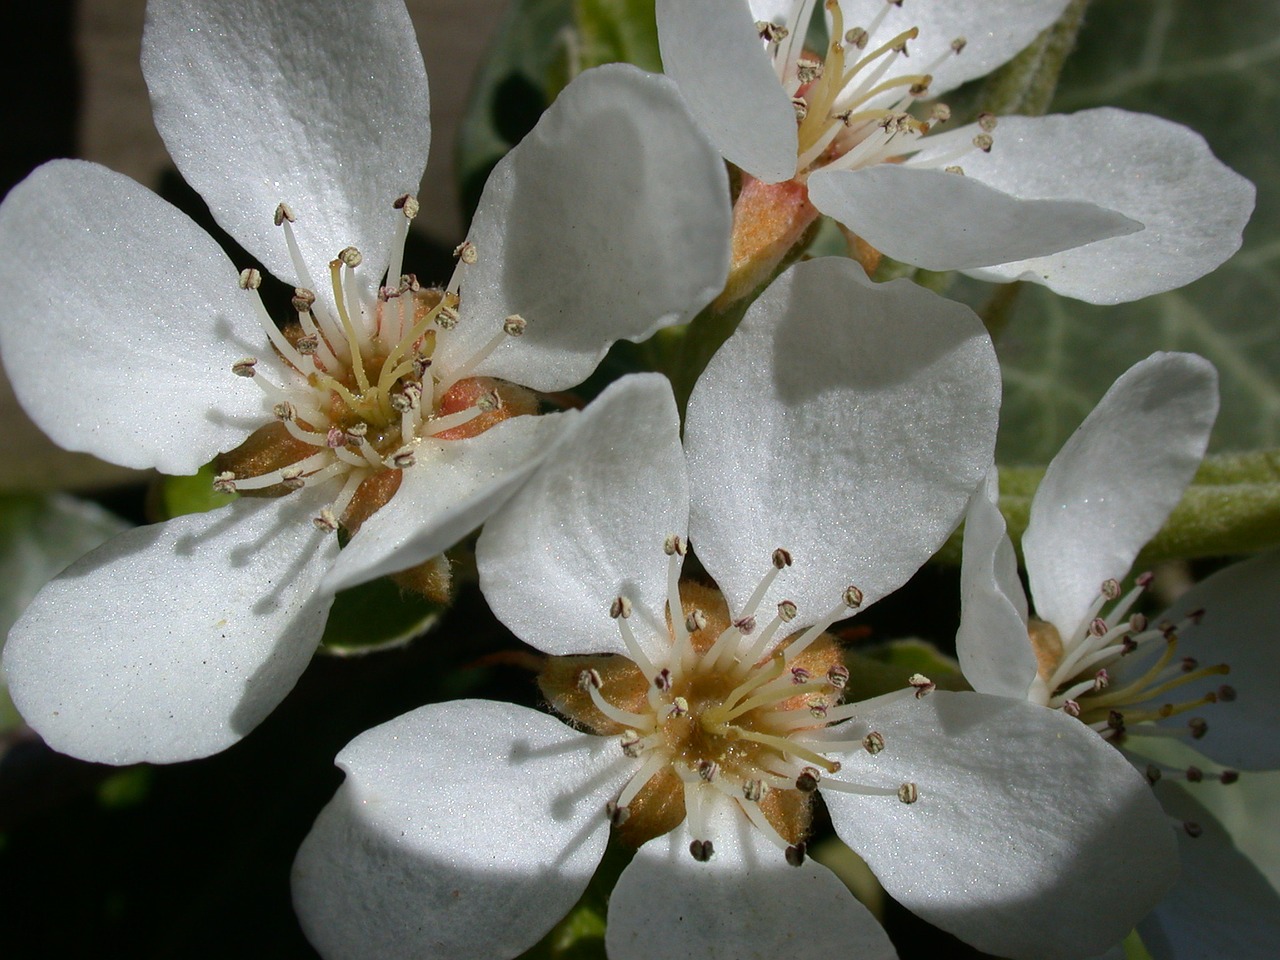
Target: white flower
<point x="831" y="440"/>
<point x="1103" y="205"/>
<point x="1128" y="677"/>
<point x="304" y="126"/>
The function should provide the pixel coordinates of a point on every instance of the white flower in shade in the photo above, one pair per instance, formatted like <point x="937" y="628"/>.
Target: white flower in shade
<point x="828" y="448"/>
<point x="379" y="407"/>
<point x="1102" y="205"/>
<point x="1131" y="678"/>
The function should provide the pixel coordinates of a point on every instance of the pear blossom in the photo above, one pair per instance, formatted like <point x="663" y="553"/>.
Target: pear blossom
<point x="378" y="408"/>
<point x="1203" y="671"/>
<point x="829" y="447"/>
<point x="1103" y="205"/>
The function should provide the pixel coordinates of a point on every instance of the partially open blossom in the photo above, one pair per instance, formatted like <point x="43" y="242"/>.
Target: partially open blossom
<point x="1102" y="205"/>
<point x="828" y="448"/>
<point x="1204" y="671"/>
<point x="376" y="407"/>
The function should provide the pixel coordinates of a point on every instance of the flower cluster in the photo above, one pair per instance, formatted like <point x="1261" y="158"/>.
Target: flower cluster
<point x="683" y="576"/>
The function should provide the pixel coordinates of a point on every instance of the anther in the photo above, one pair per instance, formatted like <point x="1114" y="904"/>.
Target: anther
<point x="466" y="252"/>
<point x="588" y="679"/>
<point x="746" y="625"/>
<point x="446" y="318"/>
<point x="250" y="279"/>
<point x="284" y="411"/>
<point x="1228" y="777"/>
<point x="1194" y="774"/>
<point x="1144" y="579"/>
<point x="695" y="621"/>
<point x="1226" y="693"/>
<point x="1071" y="708"/>
<point x="1098" y="627"/>
<point x="701" y="850"/>
<point x="1153" y="773"/>
<point x="801" y="108"/>
<point x="679" y="707"/>
<point x="673" y="545"/>
<point x="351" y="256"/>
<point x="631" y="743"/>
<point x="1198" y="727"/>
<point x="771" y="32"/>
<point x="800" y="675"/>
<point x="326" y="522"/>
<point x="1192" y="828"/>
<point x="708" y="770"/>
<point x="808" y="71"/>
<point x="307" y="345"/>
<point x="292" y="478"/>
<point x="400" y="402"/>
<point x="987" y="122"/>
<point x="244" y="368"/>
<point x="1110" y="588"/>
<point x="983" y="142"/>
<point x="781" y="558"/>
<point x="787" y="611"/>
<point x="753" y="790"/>
<point x="1115" y="719"/>
<point x="954" y="168"/>
<point x="795" y="854"/>
<point x="873" y="742"/>
<point x="335" y="437"/>
<point x="406" y="204"/>
<point x="808" y="780"/>
<point x="284" y="212"/>
<point x="908" y="793"/>
<point x="1188" y="664"/>
<point x="621" y="607"/>
<point x="489" y="401"/>
<point x="923" y="685"/>
<point x="303" y="299"/>
<point x="838" y="676"/>
<point x="225" y="482"/>
<point x="857" y="38"/>
<point x="356" y="434"/>
<point x="514" y="325"/>
<point x="1101" y="680"/>
<point x="852" y="597"/>
<point x="958" y="45"/>
<point x="1138" y="623"/>
<point x="663" y="680"/>
<point x="940" y="113"/>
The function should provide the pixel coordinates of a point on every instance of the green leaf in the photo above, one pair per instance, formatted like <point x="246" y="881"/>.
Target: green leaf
<point x="126" y="788"/>
<point x="178" y="496"/>
<point x="617" y="31"/>
<point x="376" y="616"/>
<point x="526" y="67"/>
<point x="1215" y="68"/>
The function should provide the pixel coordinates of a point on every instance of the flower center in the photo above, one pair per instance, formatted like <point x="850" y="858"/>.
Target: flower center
<point x="359" y="400"/>
<point x="1113" y="674"/>
<point x="852" y="102"/>
<point x="722" y="712"/>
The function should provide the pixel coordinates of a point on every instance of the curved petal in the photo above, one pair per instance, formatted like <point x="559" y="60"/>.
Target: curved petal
<point x="1221" y="906"/>
<point x="712" y="50"/>
<point x="1031" y="838"/>
<point x="941" y="221"/>
<point x="991" y="643"/>
<point x="1112" y="485"/>
<point x="590" y="525"/>
<point x="463" y="829"/>
<point x="845" y="421"/>
<point x="122" y="320"/>
<point x="609" y="221"/>
<point x="996" y="30"/>
<point x="1241" y="621"/>
<point x="173" y="641"/>
<point x="746" y="901"/>
<point x="322" y="106"/>
<point x="455" y="486"/>
<point x="1161" y="174"/>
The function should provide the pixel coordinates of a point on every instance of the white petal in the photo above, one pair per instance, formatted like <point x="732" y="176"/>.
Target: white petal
<point x="845" y="421"/>
<point x="1158" y="173"/>
<point x="996" y="30"/>
<point x="1240" y="626"/>
<point x="122" y="320"/>
<point x="746" y="901"/>
<point x="463" y="829"/>
<point x="712" y="50"/>
<point x="322" y="106"/>
<point x="453" y="488"/>
<point x="941" y="221"/>
<point x="991" y="643"/>
<point x="1221" y="906"/>
<point x="590" y="525"/>
<point x="173" y="641"/>
<point x="1112" y="485"/>
<point x="609" y="221"/>
<point x="1031" y="838"/>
